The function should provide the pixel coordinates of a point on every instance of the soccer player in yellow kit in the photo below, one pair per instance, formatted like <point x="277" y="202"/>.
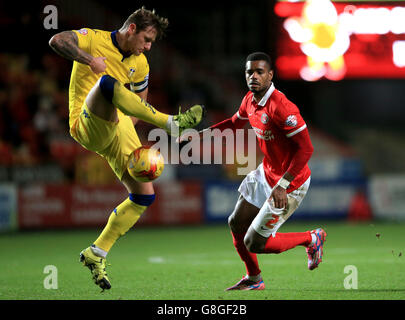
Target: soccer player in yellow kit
<point x="100" y="111"/>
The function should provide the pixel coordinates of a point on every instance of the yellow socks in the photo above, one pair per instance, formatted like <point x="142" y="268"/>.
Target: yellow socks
<point x="122" y="219"/>
<point x="130" y="103"/>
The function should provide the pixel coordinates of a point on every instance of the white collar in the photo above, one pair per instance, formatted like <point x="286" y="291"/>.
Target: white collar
<point x="267" y="95"/>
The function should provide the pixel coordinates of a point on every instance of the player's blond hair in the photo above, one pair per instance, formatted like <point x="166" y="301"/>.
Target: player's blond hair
<point x="144" y="18"/>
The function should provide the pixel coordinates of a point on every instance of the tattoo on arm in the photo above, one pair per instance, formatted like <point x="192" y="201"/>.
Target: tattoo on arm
<point x="66" y="45"/>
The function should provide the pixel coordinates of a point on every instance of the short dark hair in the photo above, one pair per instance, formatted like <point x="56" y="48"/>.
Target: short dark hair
<point x="144" y="18"/>
<point x="255" y="56"/>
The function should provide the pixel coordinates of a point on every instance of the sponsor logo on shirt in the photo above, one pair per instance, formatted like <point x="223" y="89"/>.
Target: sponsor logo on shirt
<point x="291" y="121"/>
<point x="146" y="104"/>
<point x="83" y="31"/>
<point x="263" y="134"/>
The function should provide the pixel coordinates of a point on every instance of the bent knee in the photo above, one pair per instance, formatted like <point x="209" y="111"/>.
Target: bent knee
<point x="99" y="100"/>
<point x="254" y="247"/>
<point x="253" y="244"/>
<point x="232" y="221"/>
<point x="106" y="85"/>
<point x="136" y="187"/>
<point x="236" y="224"/>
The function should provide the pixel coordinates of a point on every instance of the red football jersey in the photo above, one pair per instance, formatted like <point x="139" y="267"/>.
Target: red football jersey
<point x="281" y="132"/>
<point x="275" y="120"/>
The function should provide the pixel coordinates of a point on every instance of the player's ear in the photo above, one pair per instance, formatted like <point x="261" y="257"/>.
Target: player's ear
<point x="132" y="28"/>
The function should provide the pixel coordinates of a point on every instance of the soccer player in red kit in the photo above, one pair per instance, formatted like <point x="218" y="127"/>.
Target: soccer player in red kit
<point x="271" y="193"/>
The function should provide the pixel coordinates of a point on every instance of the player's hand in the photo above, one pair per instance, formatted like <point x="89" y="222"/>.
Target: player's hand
<point x="279" y="196"/>
<point x="98" y="65"/>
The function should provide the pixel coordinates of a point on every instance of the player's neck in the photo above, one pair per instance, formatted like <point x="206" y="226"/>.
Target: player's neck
<point x="121" y="40"/>
<point x="257" y="96"/>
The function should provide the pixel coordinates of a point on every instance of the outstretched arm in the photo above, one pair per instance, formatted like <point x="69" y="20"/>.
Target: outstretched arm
<point x="66" y="45"/>
<point x="233" y="123"/>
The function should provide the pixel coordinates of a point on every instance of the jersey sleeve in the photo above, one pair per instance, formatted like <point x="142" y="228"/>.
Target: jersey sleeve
<point x="85" y="36"/>
<point x="304" y="148"/>
<point x="291" y="123"/>
<point x="139" y="78"/>
<point x="288" y="118"/>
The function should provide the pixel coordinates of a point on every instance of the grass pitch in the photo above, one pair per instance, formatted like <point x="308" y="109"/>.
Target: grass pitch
<point x="198" y="263"/>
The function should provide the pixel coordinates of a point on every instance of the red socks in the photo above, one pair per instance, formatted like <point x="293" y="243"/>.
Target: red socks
<point x="285" y="241"/>
<point x="249" y="258"/>
<point x="281" y="242"/>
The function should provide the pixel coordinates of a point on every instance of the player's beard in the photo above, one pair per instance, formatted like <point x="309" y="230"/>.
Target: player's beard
<point x="262" y="88"/>
<point x="258" y="90"/>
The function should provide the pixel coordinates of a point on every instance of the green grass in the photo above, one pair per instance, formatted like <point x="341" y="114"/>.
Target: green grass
<point x="198" y="263"/>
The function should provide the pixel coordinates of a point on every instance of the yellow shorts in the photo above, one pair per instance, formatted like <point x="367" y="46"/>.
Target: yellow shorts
<point x="114" y="141"/>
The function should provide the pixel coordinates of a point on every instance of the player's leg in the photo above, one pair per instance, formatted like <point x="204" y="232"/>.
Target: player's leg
<point x="262" y="241"/>
<point x="254" y="191"/>
<point x="239" y="222"/>
<point x="106" y="94"/>
<point x="125" y="215"/>
<point x="262" y="235"/>
<point x="114" y="142"/>
<point x="122" y="218"/>
<point x="313" y="242"/>
<point x="109" y="93"/>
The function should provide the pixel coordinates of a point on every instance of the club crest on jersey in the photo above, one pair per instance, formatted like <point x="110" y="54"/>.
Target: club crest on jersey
<point x="83" y="31"/>
<point x="291" y="121"/>
<point x="264" y="118"/>
<point x="131" y="72"/>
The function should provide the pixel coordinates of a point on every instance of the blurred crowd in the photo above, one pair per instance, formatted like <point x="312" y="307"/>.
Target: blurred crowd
<point x="33" y="112"/>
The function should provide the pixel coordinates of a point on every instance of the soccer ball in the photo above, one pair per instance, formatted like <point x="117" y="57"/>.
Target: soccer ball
<point x="145" y="164"/>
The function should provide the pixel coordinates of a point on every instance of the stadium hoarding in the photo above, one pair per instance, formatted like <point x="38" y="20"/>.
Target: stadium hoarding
<point x="44" y="205"/>
<point x="177" y="203"/>
<point x="219" y="200"/>
<point x="329" y="200"/>
<point x="387" y="196"/>
<point x="8" y="207"/>
<point x="70" y="206"/>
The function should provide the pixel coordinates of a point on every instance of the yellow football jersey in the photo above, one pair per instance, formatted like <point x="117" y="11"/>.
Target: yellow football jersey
<point x="132" y="70"/>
